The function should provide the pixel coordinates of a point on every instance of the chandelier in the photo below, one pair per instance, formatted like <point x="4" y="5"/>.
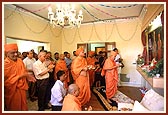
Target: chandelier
<point x="65" y="15"/>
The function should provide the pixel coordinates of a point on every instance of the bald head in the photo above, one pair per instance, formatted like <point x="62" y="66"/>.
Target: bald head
<point x="73" y="89"/>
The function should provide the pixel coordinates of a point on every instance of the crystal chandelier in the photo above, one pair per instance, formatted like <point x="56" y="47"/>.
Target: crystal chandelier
<point x="65" y="15"/>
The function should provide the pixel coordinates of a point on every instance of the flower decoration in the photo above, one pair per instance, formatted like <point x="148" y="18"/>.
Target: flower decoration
<point x="156" y="69"/>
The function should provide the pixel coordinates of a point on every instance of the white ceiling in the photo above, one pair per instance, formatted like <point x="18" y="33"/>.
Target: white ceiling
<point x="92" y="12"/>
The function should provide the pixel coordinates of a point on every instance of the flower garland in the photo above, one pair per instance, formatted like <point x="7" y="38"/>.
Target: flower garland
<point x="73" y="38"/>
<point x="89" y="36"/>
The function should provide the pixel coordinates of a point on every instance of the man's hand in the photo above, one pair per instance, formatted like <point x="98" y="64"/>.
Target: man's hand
<point x="31" y="78"/>
<point x="51" y="66"/>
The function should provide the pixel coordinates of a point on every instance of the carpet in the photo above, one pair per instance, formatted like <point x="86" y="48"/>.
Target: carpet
<point x="119" y="97"/>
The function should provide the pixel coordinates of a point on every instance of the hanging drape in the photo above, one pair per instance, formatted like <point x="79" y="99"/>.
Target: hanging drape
<point x="143" y="39"/>
<point x="159" y="42"/>
<point x="162" y="20"/>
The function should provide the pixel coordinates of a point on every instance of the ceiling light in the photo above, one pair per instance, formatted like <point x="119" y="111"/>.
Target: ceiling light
<point x="65" y="15"/>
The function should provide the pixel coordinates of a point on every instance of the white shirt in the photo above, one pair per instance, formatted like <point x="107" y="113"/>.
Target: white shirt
<point x="117" y="62"/>
<point x="29" y="63"/>
<point x="58" y="92"/>
<point x="117" y="58"/>
<point x="39" y="67"/>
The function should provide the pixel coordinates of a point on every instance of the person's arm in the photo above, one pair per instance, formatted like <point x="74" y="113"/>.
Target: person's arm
<point x="28" y="76"/>
<point x="58" y="94"/>
<point x="109" y="67"/>
<point x="84" y="71"/>
<point x="31" y="78"/>
<point x="47" y="70"/>
<point x="44" y="72"/>
<point x="114" y="67"/>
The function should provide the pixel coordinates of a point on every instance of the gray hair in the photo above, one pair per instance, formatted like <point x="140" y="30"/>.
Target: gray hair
<point x="72" y="88"/>
<point x="41" y="53"/>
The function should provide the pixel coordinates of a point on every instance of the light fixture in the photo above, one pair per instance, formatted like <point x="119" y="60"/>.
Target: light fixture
<point x="65" y="15"/>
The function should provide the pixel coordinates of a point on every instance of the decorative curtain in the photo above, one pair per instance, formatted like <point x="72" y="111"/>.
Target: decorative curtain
<point x="162" y="20"/>
<point x="159" y="43"/>
<point x="143" y="38"/>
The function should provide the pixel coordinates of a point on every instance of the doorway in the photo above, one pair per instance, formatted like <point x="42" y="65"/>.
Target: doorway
<point x="27" y="45"/>
<point x="102" y="46"/>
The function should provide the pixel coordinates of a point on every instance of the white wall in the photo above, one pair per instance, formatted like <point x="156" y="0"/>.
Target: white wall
<point x="127" y="36"/>
<point x="28" y="27"/>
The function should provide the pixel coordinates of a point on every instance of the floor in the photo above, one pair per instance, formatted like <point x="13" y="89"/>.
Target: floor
<point x="96" y="106"/>
<point x="132" y="92"/>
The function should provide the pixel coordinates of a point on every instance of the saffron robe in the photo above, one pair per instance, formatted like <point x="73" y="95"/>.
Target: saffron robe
<point x="91" y="61"/>
<point x="71" y="103"/>
<point x="111" y="77"/>
<point x="14" y="86"/>
<point x="61" y="65"/>
<point x="81" y="80"/>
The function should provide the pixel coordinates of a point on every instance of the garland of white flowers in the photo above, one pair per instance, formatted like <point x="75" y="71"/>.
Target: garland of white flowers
<point x="73" y="39"/>
<point x="77" y="30"/>
<point x="59" y="34"/>
<point x="36" y="32"/>
<point x="91" y="33"/>
<point x="14" y="12"/>
<point x="97" y="33"/>
<point x="133" y="34"/>
<point x="107" y="38"/>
